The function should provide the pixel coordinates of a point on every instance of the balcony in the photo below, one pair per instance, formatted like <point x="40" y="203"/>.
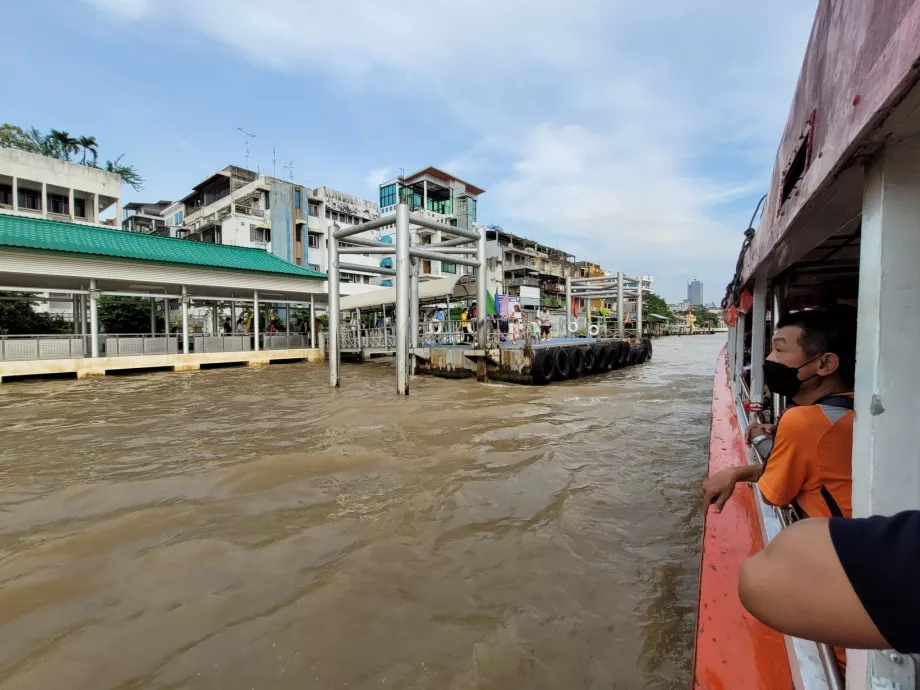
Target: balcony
<point x="525" y="281"/>
<point x="553" y="288"/>
<point x="250" y="211"/>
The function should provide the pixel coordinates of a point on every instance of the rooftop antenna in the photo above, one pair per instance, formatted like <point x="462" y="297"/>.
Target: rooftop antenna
<point x="290" y="168"/>
<point x="273" y="161"/>
<point x="247" y="136"/>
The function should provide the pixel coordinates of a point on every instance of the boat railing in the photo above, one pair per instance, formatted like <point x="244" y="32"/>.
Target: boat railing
<point x="776" y="519"/>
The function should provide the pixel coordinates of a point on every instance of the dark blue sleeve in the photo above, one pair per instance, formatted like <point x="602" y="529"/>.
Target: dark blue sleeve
<point x="881" y="557"/>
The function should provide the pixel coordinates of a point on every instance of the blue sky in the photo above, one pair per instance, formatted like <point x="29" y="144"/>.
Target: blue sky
<point x="635" y="134"/>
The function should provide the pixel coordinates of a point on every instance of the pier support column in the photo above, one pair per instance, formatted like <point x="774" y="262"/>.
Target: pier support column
<point x="153" y="316"/>
<point x="482" y="295"/>
<point x="639" y="311"/>
<point x="255" y="320"/>
<point x="185" y="301"/>
<point x="312" y="323"/>
<point x="568" y="306"/>
<point x="93" y="319"/>
<point x="334" y="314"/>
<point x="403" y="288"/>
<point x="413" y="305"/>
<point x="621" y="326"/>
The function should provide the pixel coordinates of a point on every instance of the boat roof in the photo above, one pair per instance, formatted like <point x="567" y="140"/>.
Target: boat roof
<point x="857" y="90"/>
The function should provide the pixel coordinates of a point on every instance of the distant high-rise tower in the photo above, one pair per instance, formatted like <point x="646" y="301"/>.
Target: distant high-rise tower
<point x="695" y="292"/>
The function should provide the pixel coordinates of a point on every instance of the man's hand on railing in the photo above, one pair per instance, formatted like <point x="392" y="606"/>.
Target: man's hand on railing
<point x="718" y="488"/>
<point x="755" y="430"/>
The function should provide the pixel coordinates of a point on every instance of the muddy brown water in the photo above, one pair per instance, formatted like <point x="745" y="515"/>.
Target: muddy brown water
<point x="251" y="528"/>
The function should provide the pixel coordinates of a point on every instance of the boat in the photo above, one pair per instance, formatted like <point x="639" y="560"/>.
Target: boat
<point x="840" y="223"/>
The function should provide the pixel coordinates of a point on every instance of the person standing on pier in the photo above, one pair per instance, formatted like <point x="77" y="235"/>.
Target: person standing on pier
<point x="546" y="324"/>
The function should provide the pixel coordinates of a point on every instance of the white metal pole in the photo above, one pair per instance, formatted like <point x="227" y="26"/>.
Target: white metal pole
<point x="358" y="317"/>
<point x="153" y="316"/>
<point x="739" y="348"/>
<point x="255" y="320"/>
<point x="568" y="306"/>
<point x="758" y="339"/>
<point x="93" y="319"/>
<point x="232" y="317"/>
<point x="334" y="314"/>
<point x="184" y="321"/>
<point x="76" y="312"/>
<point x="639" y="311"/>
<point x="482" y="295"/>
<point x="312" y="323"/>
<point x="403" y="288"/>
<point x="415" y="268"/>
<point x="621" y="317"/>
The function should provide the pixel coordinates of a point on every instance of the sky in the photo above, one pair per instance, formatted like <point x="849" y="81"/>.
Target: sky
<point x="635" y="134"/>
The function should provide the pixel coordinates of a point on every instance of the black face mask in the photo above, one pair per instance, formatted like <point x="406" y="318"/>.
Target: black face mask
<point x="783" y="379"/>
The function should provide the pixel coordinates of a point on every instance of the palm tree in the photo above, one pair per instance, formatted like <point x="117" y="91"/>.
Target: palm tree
<point x="88" y="144"/>
<point x="66" y="144"/>
<point x="128" y="173"/>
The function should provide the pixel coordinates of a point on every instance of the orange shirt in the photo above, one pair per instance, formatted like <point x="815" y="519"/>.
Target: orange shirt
<point x="813" y="447"/>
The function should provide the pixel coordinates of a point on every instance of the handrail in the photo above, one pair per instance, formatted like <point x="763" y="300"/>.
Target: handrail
<point x="825" y="652"/>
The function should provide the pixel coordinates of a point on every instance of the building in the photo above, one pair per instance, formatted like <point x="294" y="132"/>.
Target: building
<point x="38" y="186"/>
<point x="243" y="208"/>
<point x="145" y="217"/>
<point x="527" y="269"/>
<point x="438" y="196"/>
<point x="695" y="292"/>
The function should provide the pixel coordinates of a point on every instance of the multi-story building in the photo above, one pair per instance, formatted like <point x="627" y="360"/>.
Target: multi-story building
<point x="44" y="187"/>
<point x="145" y="217"/>
<point x="243" y="208"/>
<point x="527" y="269"/>
<point x="695" y="292"/>
<point x="438" y="196"/>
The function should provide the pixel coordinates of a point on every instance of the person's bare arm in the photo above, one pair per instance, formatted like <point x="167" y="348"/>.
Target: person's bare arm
<point x="718" y="488"/>
<point x="797" y="586"/>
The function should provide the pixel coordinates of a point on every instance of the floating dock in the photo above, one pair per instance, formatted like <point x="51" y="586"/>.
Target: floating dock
<point x="536" y="364"/>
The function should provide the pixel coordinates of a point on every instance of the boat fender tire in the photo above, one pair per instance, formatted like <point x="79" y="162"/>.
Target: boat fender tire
<point x="576" y="362"/>
<point x="560" y="362"/>
<point x="603" y="359"/>
<point x="624" y="353"/>
<point x="573" y="326"/>
<point x="633" y="355"/>
<point x="643" y="353"/>
<point x="594" y="329"/>
<point x="613" y="358"/>
<point x="589" y="360"/>
<point x="648" y="347"/>
<point x="544" y="367"/>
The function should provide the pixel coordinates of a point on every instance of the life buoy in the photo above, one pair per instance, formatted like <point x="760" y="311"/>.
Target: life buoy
<point x="561" y="360"/>
<point x="544" y="367"/>
<point x="573" y="326"/>
<point x="576" y="362"/>
<point x="594" y="329"/>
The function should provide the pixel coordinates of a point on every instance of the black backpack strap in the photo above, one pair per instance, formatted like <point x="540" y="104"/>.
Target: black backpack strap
<point x="831" y="503"/>
<point x="844" y="401"/>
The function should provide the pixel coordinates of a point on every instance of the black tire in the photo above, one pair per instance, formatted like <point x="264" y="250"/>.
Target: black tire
<point x="589" y="358"/>
<point x="643" y="354"/>
<point x="544" y="367"/>
<point x="648" y="346"/>
<point x="633" y="356"/>
<point x="613" y="357"/>
<point x="576" y="362"/>
<point x="603" y="357"/>
<point x="561" y="363"/>
<point x="623" y="353"/>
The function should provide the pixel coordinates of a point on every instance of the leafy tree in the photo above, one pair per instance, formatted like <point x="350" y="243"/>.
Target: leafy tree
<point x="14" y="137"/>
<point x="655" y="304"/>
<point x="702" y="315"/>
<point x="88" y="144"/>
<point x="128" y="173"/>
<point x="126" y="314"/>
<point x="18" y="317"/>
<point x="65" y="143"/>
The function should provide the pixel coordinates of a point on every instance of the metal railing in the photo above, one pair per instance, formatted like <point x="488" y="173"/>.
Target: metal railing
<point x="250" y="211"/>
<point x="17" y="348"/>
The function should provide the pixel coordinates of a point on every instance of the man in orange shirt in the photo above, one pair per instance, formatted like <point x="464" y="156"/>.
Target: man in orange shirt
<point x="812" y="363"/>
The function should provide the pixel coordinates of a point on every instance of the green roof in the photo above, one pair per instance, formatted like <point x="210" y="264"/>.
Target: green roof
<point x="37" y="233"/>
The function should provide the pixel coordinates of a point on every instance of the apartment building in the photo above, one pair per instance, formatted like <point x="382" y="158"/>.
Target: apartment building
<point x="43" y="187"/>
<point x="529" y="270"/>
<point x="436" y="195"/>
<point x="145" y="216"/>
<point x="328" y="207"/>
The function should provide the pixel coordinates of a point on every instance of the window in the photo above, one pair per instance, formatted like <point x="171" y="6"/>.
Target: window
<point x="296" y="198"/>
<point x="299" y="261"/>
<point x="314" y="209"/>
<point x="448" y="268"/>
<point x="328" y="213"/>
<point x="178" y="218"/>
<point x="473" y="205"/>
<point x="259" y="235"/>
<point x="313" y="240"/>
<point x="268" y="201"/>
<point x="6" y="194"/>
<point x="58" y="203"/>
<point x="79" y="209"/>
<point x="298" y="233"/>
<point x="313" y="267"/>
<point x="365" y="279"/>
<point x="348" y="277"/>
<point x="388" y="195"/>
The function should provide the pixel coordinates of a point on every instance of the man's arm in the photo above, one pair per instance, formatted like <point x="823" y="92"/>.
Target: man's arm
<point x="797" y="586"/>
<point x="718" y="488"/>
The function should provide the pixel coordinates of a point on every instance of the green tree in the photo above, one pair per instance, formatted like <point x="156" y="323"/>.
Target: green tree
<point x="18" y="317"/>
<point x="655" y="304"/>
<point x="14" y="137"/>
<point x="702" y="315"/>
<point x="128" y="173"/>
<point x="88" y="144"/>
<point x="126" y="315"/>
<point x="65" y="144"/>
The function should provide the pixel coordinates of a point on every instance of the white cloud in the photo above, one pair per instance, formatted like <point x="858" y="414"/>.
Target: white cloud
<point x="618" y="128"/>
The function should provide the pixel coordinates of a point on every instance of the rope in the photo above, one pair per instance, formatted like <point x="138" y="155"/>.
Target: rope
<point x="733" y="289"/>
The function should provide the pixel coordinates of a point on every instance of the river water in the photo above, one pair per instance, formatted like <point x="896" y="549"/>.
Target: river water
<point x="251" y="528"/>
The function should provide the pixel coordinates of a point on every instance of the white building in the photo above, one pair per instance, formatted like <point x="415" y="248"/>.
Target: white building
<point x="43" y="187"/>
<point x="146" y="217"/>
<point x="438" y="196"/>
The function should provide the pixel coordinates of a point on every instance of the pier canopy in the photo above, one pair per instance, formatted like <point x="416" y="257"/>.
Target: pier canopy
<point x="57" y="256"/>
<point x="427" y="290"/>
